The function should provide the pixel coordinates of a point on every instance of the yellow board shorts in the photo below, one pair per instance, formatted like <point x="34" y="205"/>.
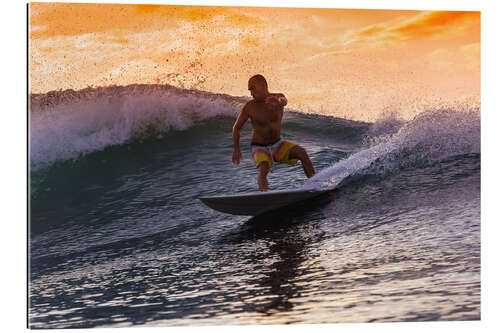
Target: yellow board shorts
<point x="277" y="151"/>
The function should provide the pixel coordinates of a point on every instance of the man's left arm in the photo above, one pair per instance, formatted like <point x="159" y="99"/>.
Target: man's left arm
<point x="280" y="99"/>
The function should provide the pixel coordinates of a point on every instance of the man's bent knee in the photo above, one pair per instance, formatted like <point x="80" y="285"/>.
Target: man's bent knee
<point x="263" y="167"/>
<point x="298" y="152"/>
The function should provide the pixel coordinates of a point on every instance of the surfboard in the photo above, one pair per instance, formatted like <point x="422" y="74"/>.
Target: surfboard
<point x="256" y="203"/>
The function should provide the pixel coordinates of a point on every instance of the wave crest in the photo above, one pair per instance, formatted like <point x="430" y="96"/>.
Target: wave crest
<point x="67" y="124"/>
<point x="432" y="136"/>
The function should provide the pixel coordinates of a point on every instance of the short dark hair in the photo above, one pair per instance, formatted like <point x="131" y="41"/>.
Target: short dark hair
<point x="259" y="78"/>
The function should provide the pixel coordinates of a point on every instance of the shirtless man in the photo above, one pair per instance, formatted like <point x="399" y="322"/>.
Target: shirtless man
<point x="265" y="112"/>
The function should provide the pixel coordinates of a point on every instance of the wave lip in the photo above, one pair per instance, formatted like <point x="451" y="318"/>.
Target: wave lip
<point x="432" y="136"/>
<point x="64" y="125"/>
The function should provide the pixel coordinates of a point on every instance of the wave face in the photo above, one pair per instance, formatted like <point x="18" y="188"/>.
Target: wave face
<point x="66" y="125"/>
<point x="115" y="222"/>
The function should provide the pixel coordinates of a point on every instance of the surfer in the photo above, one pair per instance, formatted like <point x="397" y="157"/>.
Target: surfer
<point x="265" y="112"/>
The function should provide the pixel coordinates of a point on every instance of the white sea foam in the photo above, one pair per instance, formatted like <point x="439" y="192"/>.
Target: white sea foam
<point x="66" y="125"/>
<point x="430" y="137"/>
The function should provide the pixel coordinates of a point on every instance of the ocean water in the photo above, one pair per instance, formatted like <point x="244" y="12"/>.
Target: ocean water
<point x="119" y="238"/>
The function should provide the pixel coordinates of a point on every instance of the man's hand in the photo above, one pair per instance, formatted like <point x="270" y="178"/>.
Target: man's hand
<point x="275" y="101"/>
<point x="236" y="156"/>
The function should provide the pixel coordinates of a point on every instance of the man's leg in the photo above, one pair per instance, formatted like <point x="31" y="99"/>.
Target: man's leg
<point x="263" y="170"/>
<point x="297" y="152"/>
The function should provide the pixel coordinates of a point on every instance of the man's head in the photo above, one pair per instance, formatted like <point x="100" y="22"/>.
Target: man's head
<point x="257" y="85"/>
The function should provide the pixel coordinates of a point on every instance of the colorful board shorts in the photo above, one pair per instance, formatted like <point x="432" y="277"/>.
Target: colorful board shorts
<point x="277" y="151"/>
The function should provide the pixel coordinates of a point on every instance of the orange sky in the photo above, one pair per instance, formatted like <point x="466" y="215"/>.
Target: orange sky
<point x="354" y="63"/>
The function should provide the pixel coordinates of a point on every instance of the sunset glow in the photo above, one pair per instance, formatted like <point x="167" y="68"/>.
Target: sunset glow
<point x="334" y="61"/>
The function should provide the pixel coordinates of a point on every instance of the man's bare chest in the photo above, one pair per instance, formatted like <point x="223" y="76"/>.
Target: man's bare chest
<point x="265" y="117"/>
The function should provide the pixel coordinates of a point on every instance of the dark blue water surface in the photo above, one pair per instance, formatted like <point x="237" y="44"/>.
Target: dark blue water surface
<point x="118" y="237"/>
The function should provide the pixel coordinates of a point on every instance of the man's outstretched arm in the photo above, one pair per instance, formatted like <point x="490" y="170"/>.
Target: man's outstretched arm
<point x="238" y="124"/>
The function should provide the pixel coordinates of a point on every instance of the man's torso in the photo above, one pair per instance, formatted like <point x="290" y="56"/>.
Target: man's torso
<point x="266" y="122"/>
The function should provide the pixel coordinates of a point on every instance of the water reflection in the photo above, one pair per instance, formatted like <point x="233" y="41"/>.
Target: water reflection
<point x="290" y="233"/>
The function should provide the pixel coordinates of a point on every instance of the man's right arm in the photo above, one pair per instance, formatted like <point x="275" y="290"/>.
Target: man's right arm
<point x="238" y="124"/>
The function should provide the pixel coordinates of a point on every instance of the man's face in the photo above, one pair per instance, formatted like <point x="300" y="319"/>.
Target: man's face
<point x="257" y="90"/>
